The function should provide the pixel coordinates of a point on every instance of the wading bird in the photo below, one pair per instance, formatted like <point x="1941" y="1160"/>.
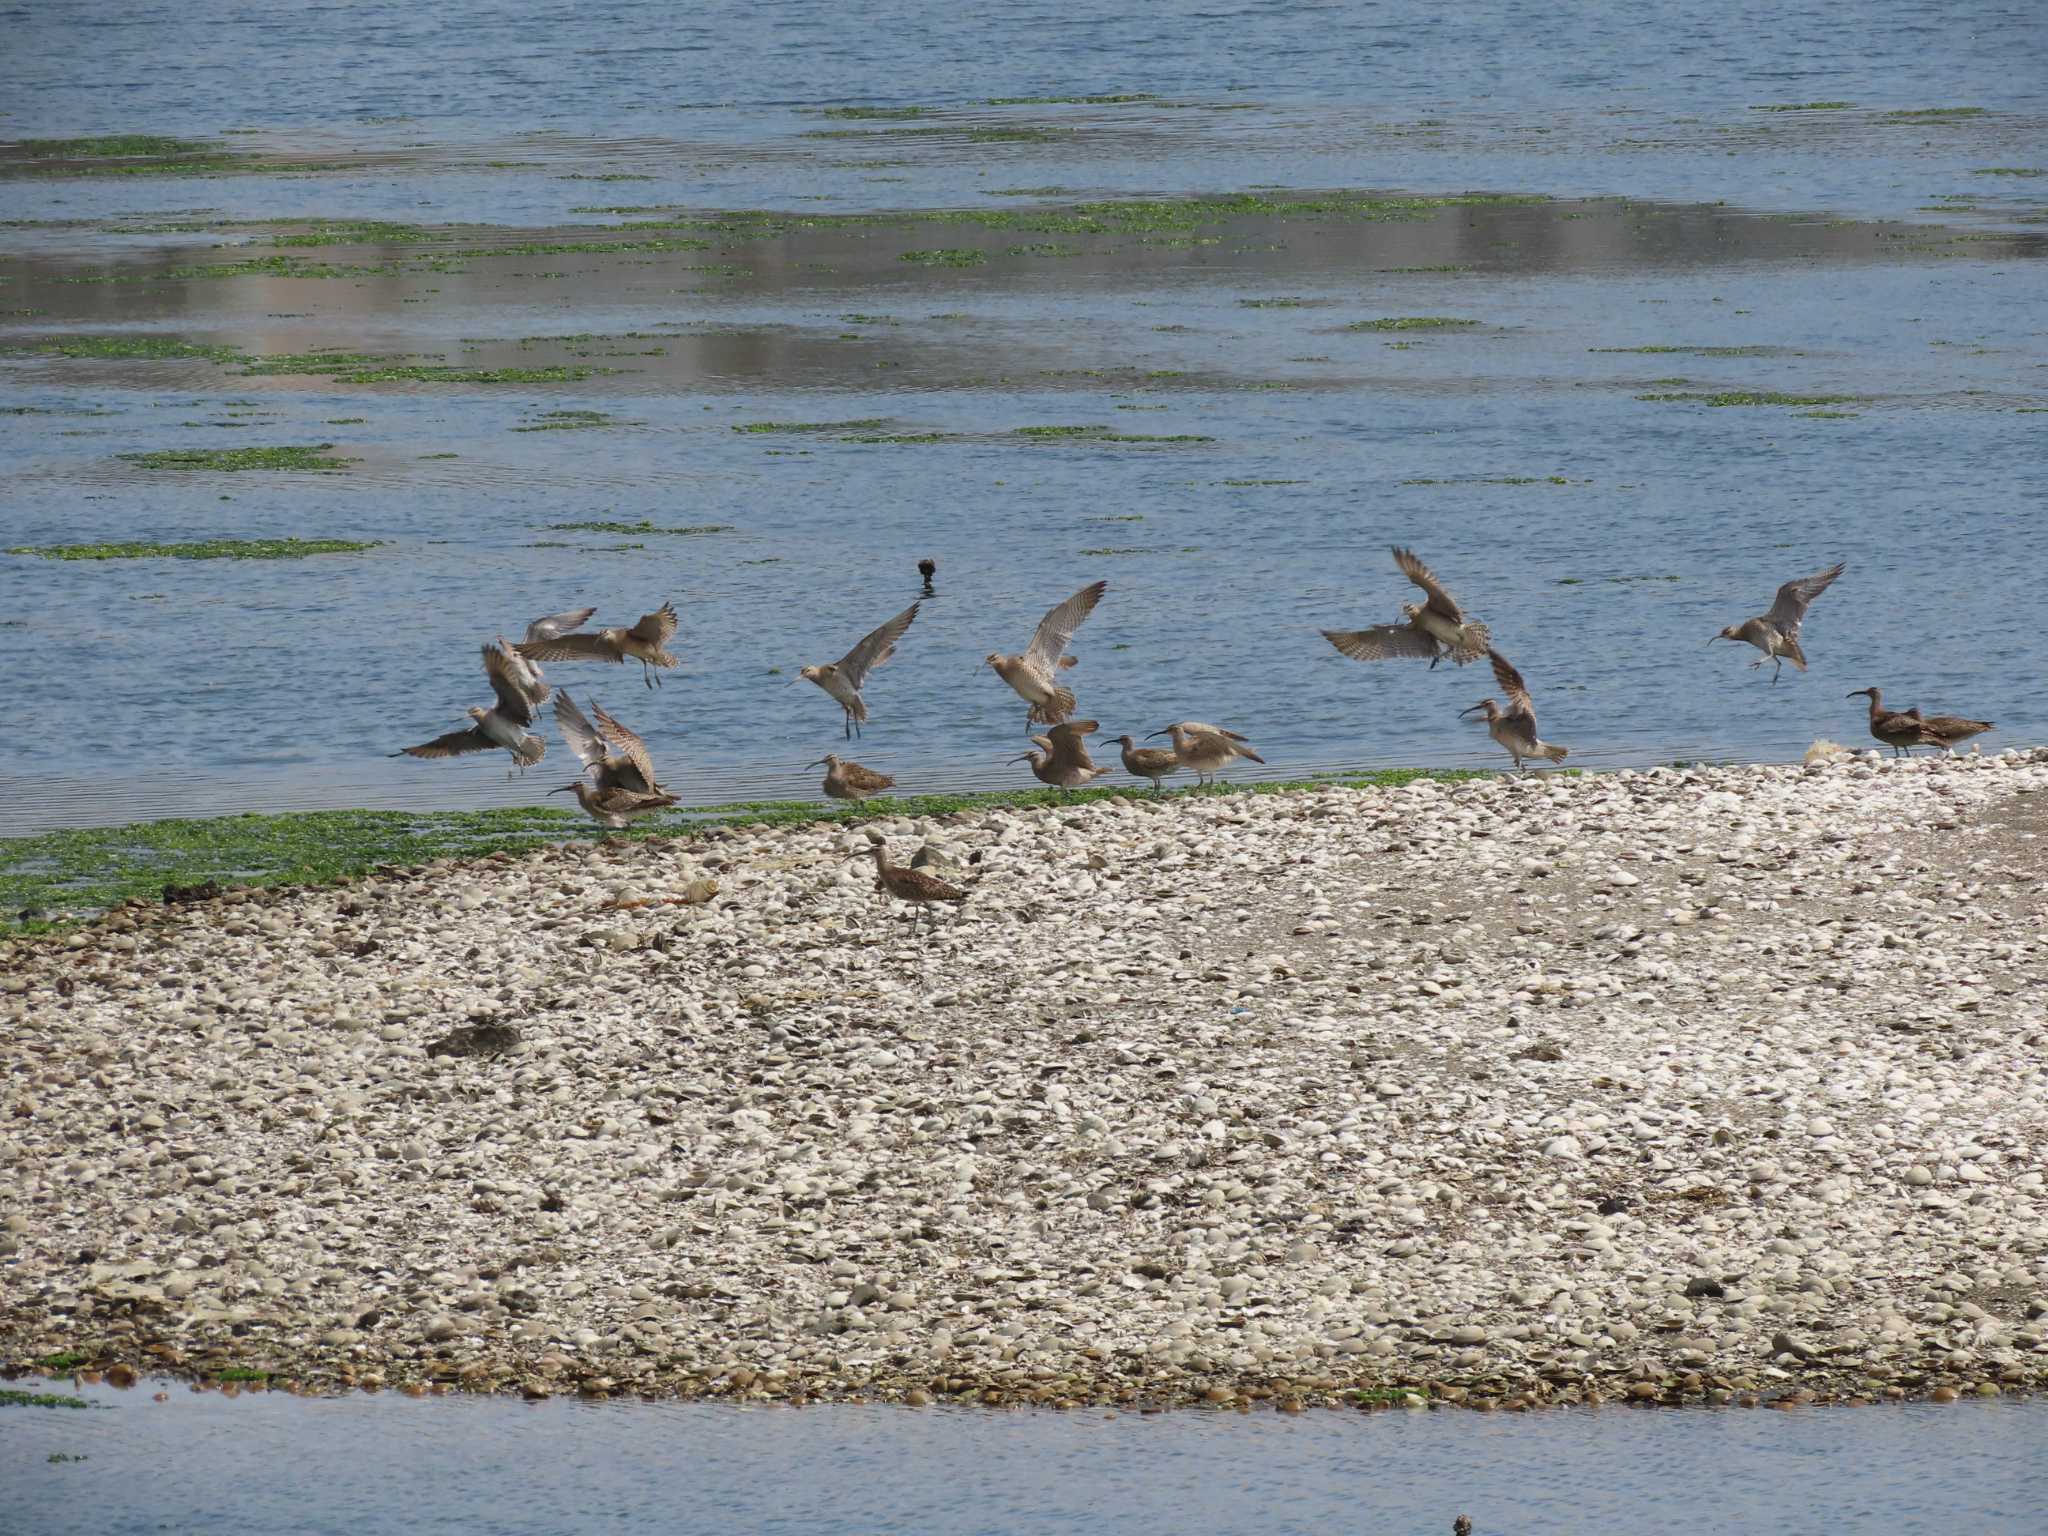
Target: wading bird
<point x="1435" y="628"/>
<point x="843" y="678"/>
<point x="1514" y="727"/>
<point x="645" y="642"/>
<point x="1898" y="731"/>
<point x="1154" y="763"/>
<point x="503" y="725"/>
<point x="612" y="756"/>
<point x="1034" y="673"/>
<point x="915" y="886"/>
<point x="850" y="781"/>
<point x="927" y="568"/>
<point x="1776" y="633"/>
<point x="1206" y="748"/>
<point x="1064" y="763"/>
<point x="1948" y="731"/>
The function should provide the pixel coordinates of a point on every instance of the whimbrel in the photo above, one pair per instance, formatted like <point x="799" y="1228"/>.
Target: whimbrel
<point x="551" y="627"/>
<point x="1033" y="674"/>
<point x="1948" y="731"/>
<point x="1063" y="760"/>
<point x="502" y="725"/>
<point x="1514" y="727"/>
<point x="1776" y="633"/>
<point x="1435" y="628"/>
<point x="843" y="678"/>
<point x="615" y="805"/>
<point x="645" y="642"/>
<point x="1206" y="748"/>
<point x="526" y="675"/>
<point x="612" y="756"/>
<point x="916" y="886"/>
<point x="1900" y="732"/>
<point x="1153" y="763"/>
<point x="927" y="568"/>
<point x="850" y="781"/>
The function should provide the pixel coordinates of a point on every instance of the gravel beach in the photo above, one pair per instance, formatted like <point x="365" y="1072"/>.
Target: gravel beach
<point x="1720" y="1084"/>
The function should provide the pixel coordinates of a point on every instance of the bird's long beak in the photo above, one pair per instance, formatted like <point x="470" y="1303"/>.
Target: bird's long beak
<point x="1021" y="757"/>
<point x="1712" y="638"/>
<point x="1159" y="733"/>
<point x="1472" y="711"/>
<point x="564" y="789"/>
<point x="818" y="764"/>
<point x="795" y="680"/>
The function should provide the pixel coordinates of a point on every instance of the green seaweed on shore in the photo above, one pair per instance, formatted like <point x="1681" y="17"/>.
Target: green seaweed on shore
<point x="948" y="256"/>
<point x="292" y="456"/>
<point x="123" y="347"/>
<point x="205" y="549"/>
<point x="94" y="868"/>
<point x="11" y="1397"/>
<point x="109" y="146"/>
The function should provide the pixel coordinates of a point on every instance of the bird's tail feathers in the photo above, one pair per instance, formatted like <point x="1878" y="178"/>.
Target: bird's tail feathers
<point x="1248" y="752"/>
<point x="1792" y="653"/>
<point x="1552" y="751"/>
<point x="1478" y="641"/>
<point x="1055" y="709"/>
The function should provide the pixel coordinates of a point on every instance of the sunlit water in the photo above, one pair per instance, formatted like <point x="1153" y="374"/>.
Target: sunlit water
<point x="158" y="688"/>
<point x="367" y="1466"/>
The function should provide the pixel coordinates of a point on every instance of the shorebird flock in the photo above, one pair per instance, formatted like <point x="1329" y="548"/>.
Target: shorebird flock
<point x="618" y="784"/>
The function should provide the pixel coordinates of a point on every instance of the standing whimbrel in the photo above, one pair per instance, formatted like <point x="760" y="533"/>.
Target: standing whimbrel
<point x="615" y="805"/>
<point x="1206" y="748"/>
<point x="612" y="755"/>
<point x="1900" y="732"/>
<point x="503" y="725"/>
<point x="843" y="678"/>
<point x="1776" y="633"/>
<point x="645" y="642"/>
<point x="1435" y="628"/>
<point x="1065" y="763"/>
<point x="1033" y="674"/>
<point x="1947" y="731"/>
<point x="1514" y="727"/>
<point x="850" y="781"/>
<point x="1153" y="763"/>
<point x="911" y="885"/>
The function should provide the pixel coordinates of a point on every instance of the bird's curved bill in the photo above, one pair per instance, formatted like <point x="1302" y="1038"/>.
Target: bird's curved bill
<point x="818" y="764"/>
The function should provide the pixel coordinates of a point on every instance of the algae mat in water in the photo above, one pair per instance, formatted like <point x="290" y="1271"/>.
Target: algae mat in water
<point x="205" y="549"/>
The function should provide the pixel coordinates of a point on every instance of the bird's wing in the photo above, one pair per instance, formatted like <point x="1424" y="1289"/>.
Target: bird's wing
<point x="877" y="647"/>
<point x="454" y="744"/>
<point x="657" y="627"/>
<point x="1382" y="642"/>
<point x="556" y="625"/>
<point x="1071" y="730"/>
<point x="1511" y="684"/>
<point x="865" y="778"/>
<point x="634" y="748"/>
<point x="1203" y="728"/>
<point x="523" y="674"/>
<point x="578" y="732"/>
<point x="1793" y="597"/>
<point x="1439" y="600"/>
<point x="1058" y="626"/>
<point x="571" y="648"/>
<point x="513" y="701"/>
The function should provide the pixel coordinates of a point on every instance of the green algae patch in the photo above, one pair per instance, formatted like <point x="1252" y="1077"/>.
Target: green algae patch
<point x="123" y="348"/>
<point x="13" y="1397"/>
<point x="2010" y="170"/>
<point x="1412" y="323"/>
<point x="437" y="373"/>
<point x="110" y="146"/>
<point x="1931" y="114"/>
<point x="875" y="114"/>
<point x="205" y="549"/>
<point x="860" y="424"/>
<point x="1806" y="106"/>
<point x="899" y="437"/>
<point x="573" y="421"/>
<point x="297" y="457"/>
<point x="1123" y="98"/>
<point x="1104" y="435"/>
<point x="1755" y="397"/>
<point x="643" y="526"/>
<point x="946" y="256"/>
<point x="1749" y="351"/>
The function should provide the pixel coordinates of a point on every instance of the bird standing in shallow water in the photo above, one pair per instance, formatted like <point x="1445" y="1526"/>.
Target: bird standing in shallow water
<point x="1435" y="628"/>
<point x="843" y="678"/>
<point x="1154" y="763"/>
<point x="1776" y="633"/>
<point x="503" y="725"/>
<point x="1034" y="673"/>
<point x="1207" y="749"/>
<point x="1065" y="763"/>
<point x="1514" y="727"/>
<point x="850" y="781"/>
<point x="927" y="568"/>
<point x="646" y="642"/>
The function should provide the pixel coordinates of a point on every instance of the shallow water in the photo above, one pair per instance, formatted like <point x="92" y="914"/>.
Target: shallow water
<point x="1604" y="536"/>
<point x="370" y="1465"/>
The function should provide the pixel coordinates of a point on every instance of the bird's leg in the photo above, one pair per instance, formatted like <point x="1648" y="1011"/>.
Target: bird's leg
<point x="1777" y="669"/>
<point x="848" y="723"/>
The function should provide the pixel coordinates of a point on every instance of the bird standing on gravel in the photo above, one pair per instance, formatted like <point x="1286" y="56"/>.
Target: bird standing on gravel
<point x="1900" y="732"/>
<point x="1776" y="633"/>
<point x="843" y="678"/>
<point x="1948" y="731"/>
<point x="1154" y="763"/>
<point x="1206" y="748"/>
<point x="916" y="886"/>
<point x="1435" y="628"/>
<point x="1063" y="760"/>
<point x="646" y="642"/>
<point x="850" y="781"/>
<point x="1033" y="674"/>
<point x="503" y="725"/>
<point x="1514" y="727"/>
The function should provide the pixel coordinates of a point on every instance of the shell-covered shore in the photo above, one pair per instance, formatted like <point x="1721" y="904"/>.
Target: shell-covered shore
<point x="1719" y="1084"/>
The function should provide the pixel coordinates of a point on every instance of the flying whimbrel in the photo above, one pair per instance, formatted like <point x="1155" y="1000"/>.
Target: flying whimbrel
<point x="850" y="781"/>
<point x="1948" y="731"/>
<point x="1153" y="763"/>
<point x="612" y="756"/>
<point x="1207" y="749"/>
<point x="1900" y="732"/>
<point x="1034" y="673"/>
<point x="502" y="725"/>
<point x="1435" y="628"/>
<point x="927" y="568"/>
<point x="526" y="675"/>
<point x="916" y="886"/>
<point x="1514" y="727"/>
<point x="1776" y="633"/>
<point x="1063" y="760"/>
<point x="645" y="642"/>
<point x="552" y="627"/>
<point x="843" y="678"/>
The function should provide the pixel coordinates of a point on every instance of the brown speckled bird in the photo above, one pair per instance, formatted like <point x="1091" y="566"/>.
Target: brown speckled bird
<point x="1034" y="673"/>
<point x="850" y="781"/>
<point x="646" y="642"/>
<point x="1154" y="763"/>
<point x="1514" y="727"/>
<point x="1435" y="628"/>
<point x="503" y="725"/>
<point x="1776" y="633"/>
<point x="1062" y="760"/>
<point x="843" y="678"/>
<point x="916" y="886"/>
